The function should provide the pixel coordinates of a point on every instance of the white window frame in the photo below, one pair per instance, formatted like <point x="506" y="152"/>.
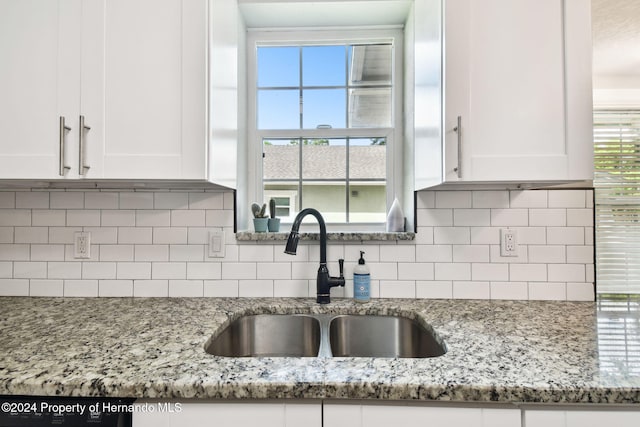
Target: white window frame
<point x="328" y="36"/>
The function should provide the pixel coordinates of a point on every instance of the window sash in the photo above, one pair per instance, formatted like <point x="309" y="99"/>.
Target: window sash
<point x="617" y="200"/>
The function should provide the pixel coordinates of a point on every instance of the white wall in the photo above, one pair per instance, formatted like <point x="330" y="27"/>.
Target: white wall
<point x="148" y="243"/>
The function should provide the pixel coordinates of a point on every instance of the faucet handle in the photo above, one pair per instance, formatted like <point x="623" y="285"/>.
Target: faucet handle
<point x="341" y="262"/>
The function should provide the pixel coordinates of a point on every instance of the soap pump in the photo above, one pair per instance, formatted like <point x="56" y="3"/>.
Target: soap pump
<point x="361" y="281"/>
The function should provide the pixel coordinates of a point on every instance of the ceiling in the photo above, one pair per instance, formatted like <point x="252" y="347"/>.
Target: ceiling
<point x="616" y="40"/>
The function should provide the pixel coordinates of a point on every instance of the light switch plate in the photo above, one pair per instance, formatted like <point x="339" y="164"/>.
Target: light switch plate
<point x="216" y="244"/>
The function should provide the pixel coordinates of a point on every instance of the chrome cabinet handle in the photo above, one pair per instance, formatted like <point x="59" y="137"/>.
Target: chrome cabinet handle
<point x="63" y="130"/>
<point x="82" y="167"/>
<point x="458" y="130"/>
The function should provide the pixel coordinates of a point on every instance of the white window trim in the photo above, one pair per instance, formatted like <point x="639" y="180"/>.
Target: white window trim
<point x="394" y="135"/>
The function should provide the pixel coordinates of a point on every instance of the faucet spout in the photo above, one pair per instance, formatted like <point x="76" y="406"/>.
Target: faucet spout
<point x="324" y="281"/>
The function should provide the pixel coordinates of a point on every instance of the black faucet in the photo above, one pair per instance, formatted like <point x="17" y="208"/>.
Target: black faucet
<point x="324" y="282"/>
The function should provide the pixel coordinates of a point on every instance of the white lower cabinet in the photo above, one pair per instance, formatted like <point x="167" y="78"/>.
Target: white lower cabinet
<point x="618" y="417"/>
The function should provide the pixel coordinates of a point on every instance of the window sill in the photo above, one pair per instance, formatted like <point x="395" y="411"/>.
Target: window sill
<point x="249" y="236"/>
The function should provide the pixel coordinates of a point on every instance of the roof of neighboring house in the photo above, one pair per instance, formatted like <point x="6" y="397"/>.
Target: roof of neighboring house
<point x="324" y="162"/>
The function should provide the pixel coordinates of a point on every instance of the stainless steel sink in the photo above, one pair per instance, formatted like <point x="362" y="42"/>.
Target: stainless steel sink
<point x="323" y="335"/>
<point x="381" y="336"/>
<point x="268" y="335"/>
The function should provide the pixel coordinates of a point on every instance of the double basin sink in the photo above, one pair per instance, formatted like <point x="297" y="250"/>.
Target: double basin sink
<point x="323" y="335"/>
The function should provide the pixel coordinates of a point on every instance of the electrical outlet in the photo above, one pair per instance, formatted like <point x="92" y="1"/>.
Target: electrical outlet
<point x="216" y="244"/>
<point x="508" y="242"/>
<point x="82" y="245"/>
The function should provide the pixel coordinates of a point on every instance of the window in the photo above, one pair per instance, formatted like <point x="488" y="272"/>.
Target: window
<point x="323" y="122"/>
<point x="617" y="200"/>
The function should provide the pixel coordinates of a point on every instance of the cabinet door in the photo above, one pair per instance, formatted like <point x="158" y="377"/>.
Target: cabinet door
<point x="40" y="60"/>
<point x="144" y="92"/>
<point x="583" y="418"/>
<point x="507" y="78"/>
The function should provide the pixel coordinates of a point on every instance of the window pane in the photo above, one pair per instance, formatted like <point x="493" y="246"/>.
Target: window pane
<point x="324" y="66"/>
<point x="279" y="66"/>
<point x="281" y="160"/>
<point x="324" y="159"/>
<point x="370" y="65"/>
<point x="367" y="177"/>
<point x="328" y="198"/>
<point x="324" y="107"/>
<point x="369" y="107"/>
<point x="278" y="109"/>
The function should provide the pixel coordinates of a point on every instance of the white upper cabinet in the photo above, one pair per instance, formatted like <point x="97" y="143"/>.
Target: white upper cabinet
<point x="517" y="92"/>
<point x="134" y="70"/>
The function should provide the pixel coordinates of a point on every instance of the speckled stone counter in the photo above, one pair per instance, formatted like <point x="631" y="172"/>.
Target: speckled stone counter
<point x="497" y="351"/>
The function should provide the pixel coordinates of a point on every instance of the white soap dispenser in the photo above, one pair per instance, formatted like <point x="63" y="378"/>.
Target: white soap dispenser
<point x="361" y="281"/>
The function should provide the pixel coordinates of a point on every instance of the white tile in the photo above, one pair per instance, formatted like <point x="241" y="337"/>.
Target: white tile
<point x="135" y="235"/>
<point x="171" y="200"/>
<point x="6" y="234"/>
<point x="134" y="200"/>
<point x="229" y="200"/>
<point x="424" y="236"/>
<point x="303" y="270"/>
<point x="219" y="218"/>
<point x="14" y="252"/>
<point x="523" y="255"/>
<point x="14" y="287"/>
<point x="566" y="273"/>
<point x="451" y="235"/>
<point x="589" y="196"/>
<point x="64" y="270"/>
<point x="66" y="200"/>
<point x="255" y="253"/>
<point x="153" y="218"/>
<point x="528" y="272"/>
<point x="471" y="217"/>
<point x="239" y="270"/>
<point x="169" y="270"/>
<point x="509" y="217"/>
<point x="47" y="252"/>
<point x="453" y="199"/>
<point x="273" y="270"/>
<point x="70" y="256"/>
<point x="98" y="270"/>
<point x="434" y="289"/>
<point x="204" y="270"/>
<point x="80" y="288"/>
<point x="579" y="254"/>
<point x="116" y="253"/>
<point x="31" y="235"/>
<point x="15" y="217"/>
<point x="32" y="200"/>
<point x="532" y="235"/>
<point x="548" y="217"/>
<point x="150" y="288"/>
<point x="151" y="252"/>
<point x="509" y="290"/>
<point x="397" y="289"/>
<point x="580" y="217"/>
<point x="588" y="236"/>
<point x="434" y="217"/>
<point x="383" y="270"/>
<point x="471" y="253"/>
<point x="302" y="255"/>
<point x="191" y="253"/>
<point x="45" y="217"/>
<point x="186" y="288"/>
<point x="83" y="217"/>
<point x="7" y="199"/>
<point x="221" y="288"/>
<point x="415" y="271"/>
<point x="334" y="252"/>
<point x="490" y="199"/>
<point x="540" y="254"/>
<point x="565" y="236"/>
<point x="291" y="288"/>
<point x="590" y="273"/>
<point x="485" y="235"/>
<point x="101" y="200"/>
<point x="471" y="290"/>
<point x="397" y="253"/>
<point x="134" y="270"/>
<point x="103" y="235"/>
<point x="118" y="218"/>
<point x="548" y="291"/>
<point x="452" y="271"/>
<point x="352" y="253"/>
<point x="490" y="272"/>
<point x="255" y="288"/>
<point x="29" y="270"/>
<point x="197" y="235"/>
<point x="567" y="199"/>
<point x="426" y="199"/>
<point x="528" y="198"/>
<point x="206" y="200"/>
<point x="115" y="288"/>
<point x="6" y="270"/>
<point x="46" y="288"/>
<point x="187" y="218"/>
<point x="580" y="292"/>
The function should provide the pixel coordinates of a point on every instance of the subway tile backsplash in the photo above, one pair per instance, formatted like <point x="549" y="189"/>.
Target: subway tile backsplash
<point x="153" y="244"/>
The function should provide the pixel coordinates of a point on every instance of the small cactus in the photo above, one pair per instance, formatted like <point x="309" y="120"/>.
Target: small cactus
<point x="272" y="208"/>
<point x="259" y="212"/>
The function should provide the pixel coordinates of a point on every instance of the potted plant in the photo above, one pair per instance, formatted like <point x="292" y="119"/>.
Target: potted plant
<point x="260" y="219"/>
<point x="274" y="222"/>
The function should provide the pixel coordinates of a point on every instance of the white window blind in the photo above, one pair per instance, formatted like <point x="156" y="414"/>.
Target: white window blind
<point x="617" y="200"/>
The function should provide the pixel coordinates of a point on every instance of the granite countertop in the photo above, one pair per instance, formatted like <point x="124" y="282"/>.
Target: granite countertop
<point x="500" y="351"/>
